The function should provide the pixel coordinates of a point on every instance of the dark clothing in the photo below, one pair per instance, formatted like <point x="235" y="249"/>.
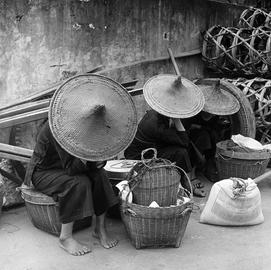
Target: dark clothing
<point x="204" y="133"/>
<point x="154" y="131"/>
<point x="80" y="189"/>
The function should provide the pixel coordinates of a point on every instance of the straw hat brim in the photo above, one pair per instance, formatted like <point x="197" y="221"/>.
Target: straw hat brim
<point x="92" y="117"/>
<point x="220" y="101"/>
<point x="184" y="102"/>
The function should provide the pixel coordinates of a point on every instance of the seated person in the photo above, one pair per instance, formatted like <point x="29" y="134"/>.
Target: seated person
<point x="171" y="140"/>
<point x="80" y="187"/>
<point x="68" y="159"/>
<point x="171" y="98"/>
<point x="208" y="127"/>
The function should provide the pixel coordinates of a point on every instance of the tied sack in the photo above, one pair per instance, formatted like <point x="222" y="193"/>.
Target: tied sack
<point x="233" y="202"/>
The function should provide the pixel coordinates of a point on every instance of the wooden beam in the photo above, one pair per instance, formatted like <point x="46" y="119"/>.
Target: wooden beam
<point x="24" y="118"/>
<point x="14" y="157"/>
<point x="15" y="150"/>
<point x="25" y="108"/>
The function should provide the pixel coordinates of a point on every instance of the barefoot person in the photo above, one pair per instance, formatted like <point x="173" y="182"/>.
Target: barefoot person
<point x="91" y="119"/>
<point x="172" y="99"/>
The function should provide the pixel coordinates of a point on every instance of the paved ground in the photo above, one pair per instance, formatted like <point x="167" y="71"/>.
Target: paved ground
<point x="23" y="247"/>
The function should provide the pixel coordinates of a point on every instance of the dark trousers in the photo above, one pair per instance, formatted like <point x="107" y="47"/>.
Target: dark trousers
<point x="78" y="196"/>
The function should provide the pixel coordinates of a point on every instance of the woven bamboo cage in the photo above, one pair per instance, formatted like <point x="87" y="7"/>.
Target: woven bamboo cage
<point x="238" y="51"/>
<point x="258" y="91"/>
<point x="255" y="17"/>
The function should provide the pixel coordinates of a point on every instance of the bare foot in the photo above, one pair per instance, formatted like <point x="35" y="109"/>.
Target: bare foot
<point x="73" y="247"/>
<point x="104" y="239"/>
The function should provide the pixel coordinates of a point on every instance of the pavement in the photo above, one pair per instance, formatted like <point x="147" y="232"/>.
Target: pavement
<point x="24" y="247"/>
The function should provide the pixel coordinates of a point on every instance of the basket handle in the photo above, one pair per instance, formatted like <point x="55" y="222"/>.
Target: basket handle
<point x="190" y="194"/>
<point x="220" y="155"/>
<point x="146" y="150"/>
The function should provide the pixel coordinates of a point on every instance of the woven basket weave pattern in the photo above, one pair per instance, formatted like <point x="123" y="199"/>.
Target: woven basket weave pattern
<point x="233" y="163"/>
<point x="159" y="184"/>
<point x="240" y="168"/>
<point x="43" y="212"/>
<point x="155" y="227"/>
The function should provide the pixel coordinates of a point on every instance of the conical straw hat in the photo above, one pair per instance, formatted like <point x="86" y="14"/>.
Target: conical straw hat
<point x="173" y="96"/>
<point x="92" y="117"/>
<point x="219" y="101"/>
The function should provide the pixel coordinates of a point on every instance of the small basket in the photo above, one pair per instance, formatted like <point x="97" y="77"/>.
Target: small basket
<point x="241" y="164"/>
<point x="159" y="226"/>
<point x="43" y="212"/>
<point x="154" y="180"/>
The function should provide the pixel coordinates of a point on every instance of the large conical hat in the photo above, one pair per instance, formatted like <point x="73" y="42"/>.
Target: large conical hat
<point x="92" y="117"/>
<point x="218" y="100"/>
<point x="173" y="96"/>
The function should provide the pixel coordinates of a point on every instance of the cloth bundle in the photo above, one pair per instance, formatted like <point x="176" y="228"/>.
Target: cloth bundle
<point x="233" y="202"/>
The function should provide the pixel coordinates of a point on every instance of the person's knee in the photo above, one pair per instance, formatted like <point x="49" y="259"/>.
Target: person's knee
<point x="82" y="183"/>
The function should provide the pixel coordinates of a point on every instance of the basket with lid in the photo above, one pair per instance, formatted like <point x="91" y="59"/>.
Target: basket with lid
<point x="236" y="161"/>
<point x="154" y="179"/>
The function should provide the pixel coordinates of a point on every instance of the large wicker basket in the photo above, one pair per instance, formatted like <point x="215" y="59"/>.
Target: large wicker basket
<point x="235" y="163"/>
<point x="159" y="226"/>
<point x="43" y="212"/>
<point x="154" y="180"/>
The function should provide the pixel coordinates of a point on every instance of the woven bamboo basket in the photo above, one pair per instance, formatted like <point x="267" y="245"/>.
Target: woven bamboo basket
<point x="154" y="180"/>
<point x="234" y="162"/>
<point x="255" y="17"/>
<point x="43" y="212"/>
<point x="159" y="226"/>
<point x="258" y="92"/>
<point x="238" y="51"/>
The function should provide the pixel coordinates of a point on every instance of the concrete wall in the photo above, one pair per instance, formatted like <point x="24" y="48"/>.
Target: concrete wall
<point x="45" y="41"/>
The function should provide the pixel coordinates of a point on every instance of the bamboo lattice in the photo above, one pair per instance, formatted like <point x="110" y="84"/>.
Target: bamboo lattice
<point x="258" y="91"/>
<point x="238" y="51"/>
<point x="255" y="17"/>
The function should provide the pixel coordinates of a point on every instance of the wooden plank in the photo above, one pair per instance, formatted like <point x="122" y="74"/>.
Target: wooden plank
<point x="146" y="61"/>
<point x="136" y="92"/>
<point x="24" y="118"/>
<point x="14" y="157"/>
<point x="15" y="150"/>
<point x="25" y="108"/>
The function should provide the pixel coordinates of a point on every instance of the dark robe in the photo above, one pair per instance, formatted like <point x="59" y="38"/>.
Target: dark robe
<point x="154" y="132"/>
<point x="80" y="189"/>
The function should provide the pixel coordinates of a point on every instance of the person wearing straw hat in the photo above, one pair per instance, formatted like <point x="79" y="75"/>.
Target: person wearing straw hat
<point x="91" y="119"/>
<point x="206" y="128"/>
<point x="172" y="99"/>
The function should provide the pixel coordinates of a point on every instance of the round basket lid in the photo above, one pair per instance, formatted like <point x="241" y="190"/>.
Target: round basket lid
<point x="173" y="96"/>
<point x="120" y="165"/>
<point x="92" y="117"/>
<point x="219" y="101"/>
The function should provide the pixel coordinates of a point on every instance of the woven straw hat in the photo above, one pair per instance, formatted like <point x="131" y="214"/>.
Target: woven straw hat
<point x="92" y="117"/>
<point x="173" y="96"/>
<point x="219" y="101"/>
